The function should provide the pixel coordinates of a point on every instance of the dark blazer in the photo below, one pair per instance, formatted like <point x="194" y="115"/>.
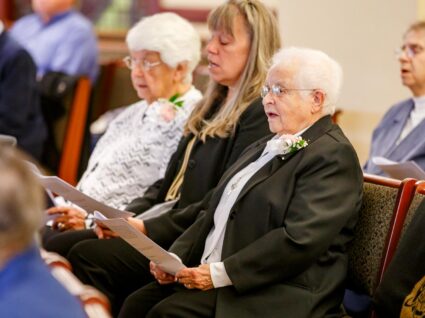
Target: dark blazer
<point x="20" y="113"/>
<point x="207" y="162"/>
<point x="385" y="137"/>
<point x="285" y="240"/>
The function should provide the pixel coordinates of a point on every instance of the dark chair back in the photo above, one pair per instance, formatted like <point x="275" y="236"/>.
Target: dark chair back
<point x="385" y="204"/>
<point x="65" y="101"/>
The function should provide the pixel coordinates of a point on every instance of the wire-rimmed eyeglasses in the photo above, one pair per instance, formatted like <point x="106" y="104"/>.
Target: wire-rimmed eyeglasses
<point x="410" y="50"/>
<point x="278" y="90"/>
<point x="132" y="63"/>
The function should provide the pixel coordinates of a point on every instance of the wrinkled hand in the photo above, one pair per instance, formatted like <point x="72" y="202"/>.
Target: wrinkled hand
<point x="162" y="277"/>
<point x="67" y="218"/>
<point x="103" y="232"/>
<point x="196" y="277"/>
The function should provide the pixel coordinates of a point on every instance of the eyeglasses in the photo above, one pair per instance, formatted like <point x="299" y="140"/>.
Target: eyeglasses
<point x="410" y="50"/>
<point x="141" y="64"/>
<point x="278" y="91"/>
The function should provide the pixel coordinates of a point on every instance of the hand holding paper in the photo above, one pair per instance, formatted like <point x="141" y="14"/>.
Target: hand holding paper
<point x="166" y="261"/>
<point x="64" y="189"/>
<point x="162" y="277"/>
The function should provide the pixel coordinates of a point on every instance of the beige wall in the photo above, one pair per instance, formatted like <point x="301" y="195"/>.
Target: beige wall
<point x="203" y="3"/>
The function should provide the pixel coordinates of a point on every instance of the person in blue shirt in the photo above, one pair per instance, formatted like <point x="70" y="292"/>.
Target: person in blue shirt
<point x="59" y="39"/>
<point x="20" y="113"/>
<point x="27" y="288"/>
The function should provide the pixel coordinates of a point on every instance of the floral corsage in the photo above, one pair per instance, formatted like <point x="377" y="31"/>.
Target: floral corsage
<point x="170" y="107"/>
<point x="287" y="144"/>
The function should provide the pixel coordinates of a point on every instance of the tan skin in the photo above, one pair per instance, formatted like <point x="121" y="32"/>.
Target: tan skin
<point x="160" y="81"/>
<point x="67" y="218"/>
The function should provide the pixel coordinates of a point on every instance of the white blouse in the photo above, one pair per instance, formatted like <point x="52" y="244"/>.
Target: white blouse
<point x="135" y="150"/>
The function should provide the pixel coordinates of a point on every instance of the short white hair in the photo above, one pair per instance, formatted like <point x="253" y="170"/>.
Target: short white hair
<point x="314" y="70"/>
<point x="173" y="37"/>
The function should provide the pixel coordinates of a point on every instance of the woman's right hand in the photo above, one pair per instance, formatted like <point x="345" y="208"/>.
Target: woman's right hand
<point x="162" y="277"/>
<point x="67" y="218"/>
<point x="103" y="232"/>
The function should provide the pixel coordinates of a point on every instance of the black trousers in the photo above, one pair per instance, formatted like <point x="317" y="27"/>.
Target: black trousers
<point x="173" y="300"/>
<point x="112" y="266"/>
<point x="62" y="242"/>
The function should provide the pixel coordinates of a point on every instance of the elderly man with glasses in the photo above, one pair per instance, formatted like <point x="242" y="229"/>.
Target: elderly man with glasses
<point x="399" y="136"/>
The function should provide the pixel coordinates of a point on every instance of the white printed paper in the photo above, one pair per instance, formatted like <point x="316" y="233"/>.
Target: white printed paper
<point x="168" y="262"/>
<point x="64" y="189"/>
<point x="402" y="170"/>
<point x="157" y="210"/>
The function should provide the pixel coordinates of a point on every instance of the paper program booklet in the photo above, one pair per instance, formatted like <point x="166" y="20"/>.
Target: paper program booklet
<point x="70" y="193"/>
<point x="400" y="170"/>
<point x="168" y="262"/>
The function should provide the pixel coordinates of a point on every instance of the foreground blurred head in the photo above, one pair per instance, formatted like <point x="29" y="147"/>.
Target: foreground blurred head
<point x="21" y="203"/>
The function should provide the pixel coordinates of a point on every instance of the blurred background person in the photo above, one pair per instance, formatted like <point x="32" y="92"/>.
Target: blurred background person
<point x="27" y="288"/>
<point x="137" y="146"/>
<point x="20" y="113"/>
<point x="58" y="38"/>
<point x="244" y="37"/>
<point x="63" y="45"/>
<point x="399" y="135"/>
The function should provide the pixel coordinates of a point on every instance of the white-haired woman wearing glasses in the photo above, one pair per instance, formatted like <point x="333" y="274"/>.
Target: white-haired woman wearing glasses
<point x="135" y="150"/>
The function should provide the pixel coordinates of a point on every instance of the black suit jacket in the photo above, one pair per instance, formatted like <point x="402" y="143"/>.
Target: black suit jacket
<point x="285" y="239"/>
<point x="207" y="163"/>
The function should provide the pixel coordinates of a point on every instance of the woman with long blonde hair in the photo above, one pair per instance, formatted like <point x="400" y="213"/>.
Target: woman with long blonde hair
<point x="244" y="37"/>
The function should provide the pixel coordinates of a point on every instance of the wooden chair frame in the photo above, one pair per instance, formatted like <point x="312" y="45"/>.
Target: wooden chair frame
<point x="75" y="129"/>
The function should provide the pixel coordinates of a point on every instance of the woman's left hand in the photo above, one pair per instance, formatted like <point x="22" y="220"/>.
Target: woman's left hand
<point x="196" y="277"/>
<point x="67" y="218"/>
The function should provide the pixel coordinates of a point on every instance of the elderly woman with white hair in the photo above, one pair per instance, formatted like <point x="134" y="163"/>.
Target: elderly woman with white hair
<point x="135" y="150"/>
<point x="272" y="236"/>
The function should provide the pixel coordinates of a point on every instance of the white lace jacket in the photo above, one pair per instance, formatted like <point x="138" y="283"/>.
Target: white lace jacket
<point x="134" y="151"/>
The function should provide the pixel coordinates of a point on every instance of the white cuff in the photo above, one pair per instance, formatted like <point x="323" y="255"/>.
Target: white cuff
<point x="219" y="275"/>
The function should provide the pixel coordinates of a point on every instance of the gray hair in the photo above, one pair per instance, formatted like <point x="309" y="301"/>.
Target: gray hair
<point x="21" y="200"/>
<point x="173" y="37"/>
<point x="315" y="70"/>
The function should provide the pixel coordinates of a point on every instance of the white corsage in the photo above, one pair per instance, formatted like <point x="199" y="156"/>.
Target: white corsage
<point x="286" y="144"/>
<point x="169" y="108"/>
